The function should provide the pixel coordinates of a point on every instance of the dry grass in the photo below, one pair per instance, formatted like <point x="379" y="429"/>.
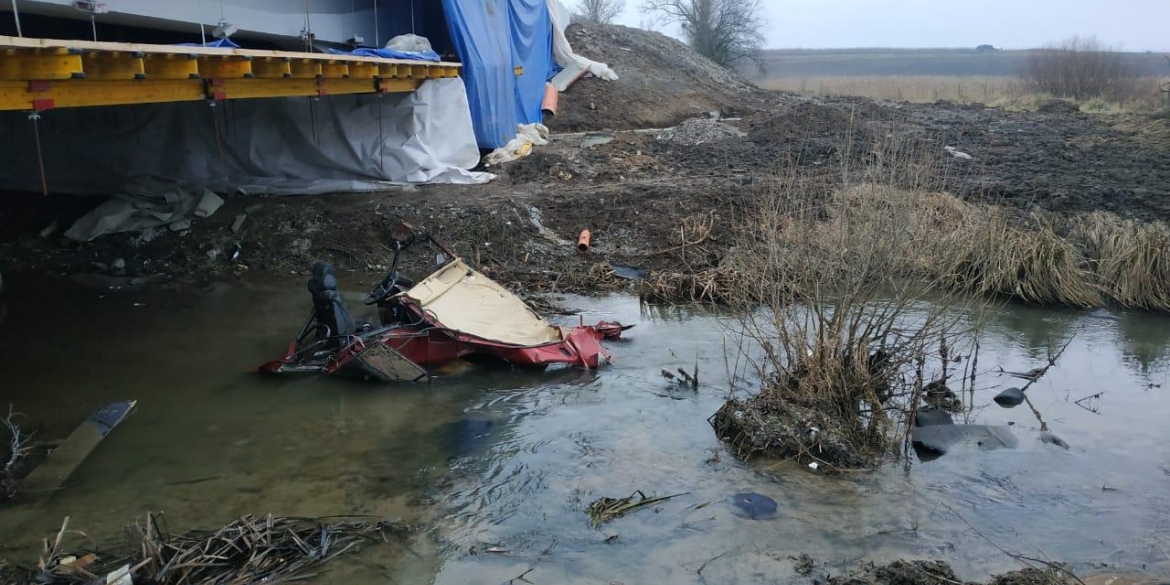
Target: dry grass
<point x="811" y="239"/>
<point x="999" y="91"/>
<point x="1130" y="260"/>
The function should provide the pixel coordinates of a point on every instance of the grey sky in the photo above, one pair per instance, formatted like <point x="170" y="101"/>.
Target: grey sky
<point x="1131" y="25"/>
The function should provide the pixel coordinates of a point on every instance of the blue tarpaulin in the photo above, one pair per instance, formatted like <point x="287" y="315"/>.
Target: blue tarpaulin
<point x="389" y="54"/>
<point x="532" y="49"/>
<point x="216" y="44"/>
<point x="492" y="38"/>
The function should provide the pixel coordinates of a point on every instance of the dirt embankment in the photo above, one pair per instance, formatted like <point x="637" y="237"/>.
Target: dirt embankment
<point x="662" y="82"/>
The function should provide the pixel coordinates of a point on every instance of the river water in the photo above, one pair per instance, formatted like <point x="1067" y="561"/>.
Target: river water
<point x="507" y="462"/>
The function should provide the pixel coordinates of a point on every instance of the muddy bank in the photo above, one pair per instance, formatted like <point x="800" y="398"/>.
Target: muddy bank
<point x="664" y="201"/>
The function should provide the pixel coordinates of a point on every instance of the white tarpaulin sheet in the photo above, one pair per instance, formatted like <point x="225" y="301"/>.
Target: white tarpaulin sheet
<point x="269" y="146"/>
<point x="563" y="52"/>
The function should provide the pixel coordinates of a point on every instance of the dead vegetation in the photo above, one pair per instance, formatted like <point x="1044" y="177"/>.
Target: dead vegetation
<point x="844" y="336"/>
<point x="18" y="449"/>
<point x="268" y="549"/>
<point x="605" y="509"/>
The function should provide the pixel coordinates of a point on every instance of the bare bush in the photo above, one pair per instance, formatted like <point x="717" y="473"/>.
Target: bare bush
<point x="18" y="448"/>
<point x="727" y="32"/>
<point x="1081" y="69"/>
<point x="600" y="11"/>
<point x="852" y="331"/>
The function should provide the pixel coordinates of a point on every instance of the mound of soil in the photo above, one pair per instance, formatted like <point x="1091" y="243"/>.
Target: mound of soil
<point x="662" y="82"/>
<point x="780" y="429"/>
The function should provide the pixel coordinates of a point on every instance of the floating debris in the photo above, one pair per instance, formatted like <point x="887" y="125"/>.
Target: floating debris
<point x="606" y="509"/>
<point x="1010" y="398"/>
<point x="755" y="506"/>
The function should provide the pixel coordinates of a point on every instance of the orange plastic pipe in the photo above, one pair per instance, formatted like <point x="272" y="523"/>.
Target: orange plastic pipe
<point x="551" y="98"/>
<point x="583" y="241"/>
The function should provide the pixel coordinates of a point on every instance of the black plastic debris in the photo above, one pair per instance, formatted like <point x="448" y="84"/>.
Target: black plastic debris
<point x="755" y="506"/>
<point x="629" y="272"/>
<point x="1010" y="398"/>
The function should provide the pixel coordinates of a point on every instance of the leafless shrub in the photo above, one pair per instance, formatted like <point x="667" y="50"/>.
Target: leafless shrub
<point x="1081" y="69"/>
<point x="727" y="32"/>
<point x="18" y="448"/>
<point x="847" y="337"/>
<point x="600" y="11"/>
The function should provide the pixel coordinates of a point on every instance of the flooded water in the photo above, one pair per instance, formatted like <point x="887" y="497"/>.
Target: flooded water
<point x="503" y="464"/>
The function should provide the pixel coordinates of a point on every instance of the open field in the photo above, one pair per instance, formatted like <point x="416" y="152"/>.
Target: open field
<point x="998" y="90"/>
<point x="797" y="63"/>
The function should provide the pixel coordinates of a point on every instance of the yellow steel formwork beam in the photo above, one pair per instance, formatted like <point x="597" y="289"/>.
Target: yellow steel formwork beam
<point x="334" y="70"/>
<point x="16" y="95"/>
<point x="114" y="66"/>
<point x="22" y="64"/>
<point x="305" y="69"/>
<point x="363" y="70"/>
<point x="271" y="68"/>
<point x="398" y="85"/>
<point x="225" y="67"/>
<point x="171" y="67"/>
<point x="41" y="74"/>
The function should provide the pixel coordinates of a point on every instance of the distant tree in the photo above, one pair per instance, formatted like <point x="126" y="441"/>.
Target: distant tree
<point x="601" y="11"/>
<point x="1080" y="68"/>
<point x="727" y="32"/>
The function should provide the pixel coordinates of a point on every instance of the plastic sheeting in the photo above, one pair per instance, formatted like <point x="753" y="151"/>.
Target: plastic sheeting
<point x="389" y="54"/>
<point x="274" y="146"/>
<point x="563" y="52"/>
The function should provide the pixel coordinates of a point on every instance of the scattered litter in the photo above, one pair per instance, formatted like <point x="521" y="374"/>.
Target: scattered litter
<point x="1031" y="375"/>
<point x="142" y="204"/>
<point x="814" y="466"/>
<point x="629" y="272"/>
<point x="957" y="153"/>
<point x="596" y="139"/>
<point x="68" y="456"/>
<point x="698" y="131"/>
<point x="535" y="217"/>
<point x="120" y="577"/>
<point x="584" y="240"/>
<point x="49" y="230"/>
<point x="606" y="509"/>
<point x="238" y="224"/>
<point x="527" y="136"/>
<point x="118" y="265"/>
<point x="933" y="441"/>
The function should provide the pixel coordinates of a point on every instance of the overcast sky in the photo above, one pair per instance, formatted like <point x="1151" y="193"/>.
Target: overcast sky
<point x="1131" y="25"/>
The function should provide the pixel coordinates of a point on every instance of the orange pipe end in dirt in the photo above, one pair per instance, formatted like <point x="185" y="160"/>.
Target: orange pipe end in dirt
<point x="551" y="98"/>
<point x="583" y="241"/>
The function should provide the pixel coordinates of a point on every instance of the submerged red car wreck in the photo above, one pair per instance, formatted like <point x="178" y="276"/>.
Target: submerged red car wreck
<point x="454" y="314"/>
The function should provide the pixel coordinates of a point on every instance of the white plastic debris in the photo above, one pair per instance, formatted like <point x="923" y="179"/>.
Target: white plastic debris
<point x="527" y="136"/>
<point x="958" y="153"/>
<point x="814" y="466"/>
<point x="410" y="43"/>
<point x="120" y="577"/>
